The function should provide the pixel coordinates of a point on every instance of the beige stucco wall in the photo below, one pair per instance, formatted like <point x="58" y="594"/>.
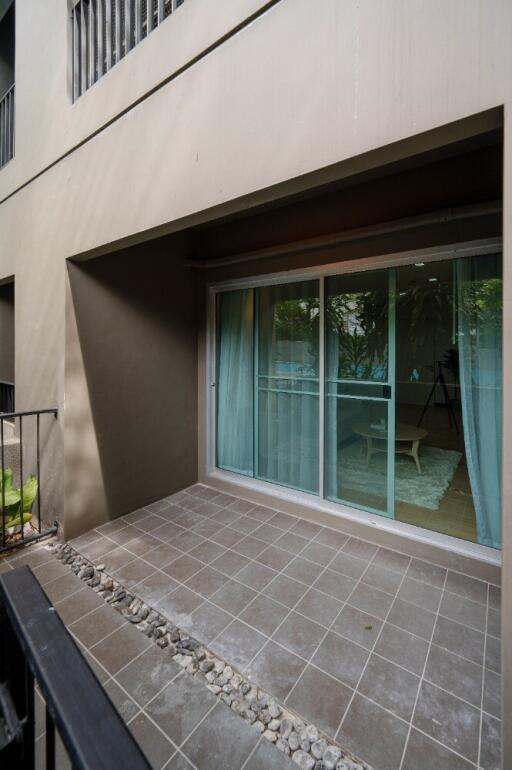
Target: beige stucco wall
<point x="305" y="92"/>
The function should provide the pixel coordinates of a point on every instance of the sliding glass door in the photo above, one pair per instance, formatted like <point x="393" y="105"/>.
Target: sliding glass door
<point x="359" y="384"/>
<point x="381" y="390"/>
<point x="287" y="384"/>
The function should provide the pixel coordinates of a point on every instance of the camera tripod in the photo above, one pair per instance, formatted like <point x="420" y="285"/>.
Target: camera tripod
<point x="440" y="380"/>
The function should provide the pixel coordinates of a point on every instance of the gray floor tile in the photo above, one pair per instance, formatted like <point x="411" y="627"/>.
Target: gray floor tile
<point x="58" y="589"/>
<point x="321" y="554"/>
<point x="402" y="648"/>
<point x="331" y="538"/>
<point x="286" y="590"/>
<point x="186" y="540"/>
<point x="227" y="537"/>
<point x="348" y="565"/>
<point x="148" y="674"/>
<point x="319" y="607"/>
<point x="245" y="525"/>
<point x="238" y="644"/>
<point x="207" y="581"/>
<point x="320" y="699"/>
<point x="276" y="670"/>
<point x="390" y="686"/>
<point x="162" y="555"/>
<point x="153" y="588"/>
<point x="142" y="544"/>
<point x="493" y="654"/>
<point x="341" y="658"/>
<point x="490" y="756"/>
<point x="207" y="622"/>
<point x="249" y="546"/>
<point x="275" y="558"/>
<point x="306" y="529"/>
<point x="242" y="506"/>
<point x="427" y="573"/>
<point x="125" y="705"/>
<point x="494" y="622"/>
<point x="492" y="693"/>
<point x="299" y="635"/>
<point x="463" y="611"/>
<point x="120" y="648"/>
<point x="411" y="618"/>
<point x="364" y="719"/>
<point x="336" y="585"/>
<point x="208" y="748"/>
<point x="421" y="594"/>
<point x="93" y="627"/>
<point x="149" y="523"/>
<point x="179" y="605"/>
<point x="455" y="674"/>
<point x="264" y="614"/>
<point x="468" y="587"/>
<point x="449" y="720"/>
<point x="256" y="576"/>
<point x="116" y="559"/>
<point x="268" y="533"/>
<point x="183" y="568"/>
<point x="303" y="570"/>
<point x="422" y="753"/>
<point x="360" y="548"/>
<point x="397" y="562"/>
<point x="382" y="578"/>
<point x="282" y="520"/>
<point x="133" y="573"/>
<point x="267" y="756"/>
<point x="179" y="708"/>
<point x="371" y="600"/>
<point x="230" y="563"/>
<point x="358" y="626"/>
<point x="291" y="543"/>
<point x="233" y="597"/>
<point x="45" y="573"/>
<point x="262" y="513"/>
<point x="207" y="551"/>
<point x="459" y="639"/>
<point x="495" y="597"/>
<point x="157" y="748"/>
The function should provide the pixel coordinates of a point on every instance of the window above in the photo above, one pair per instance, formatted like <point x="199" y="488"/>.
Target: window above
<point x="104" y="31"/>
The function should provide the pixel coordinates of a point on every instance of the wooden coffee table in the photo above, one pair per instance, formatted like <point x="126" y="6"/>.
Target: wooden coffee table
<point x="407" y="440"/>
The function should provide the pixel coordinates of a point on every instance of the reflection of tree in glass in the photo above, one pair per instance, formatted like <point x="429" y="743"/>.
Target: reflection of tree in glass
<point x="297" y="321"/>
<point x="482" y="303"/>
<point x="360" y="323"/>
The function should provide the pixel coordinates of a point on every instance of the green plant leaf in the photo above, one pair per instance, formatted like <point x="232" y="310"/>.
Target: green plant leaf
<point x="29" y="493"/>
<point x="16" y="521"/>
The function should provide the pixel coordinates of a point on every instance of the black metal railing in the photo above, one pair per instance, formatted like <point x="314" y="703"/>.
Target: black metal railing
<point x="35" y="646"/>
<point x="13" y="528"/>
<point x="6" y="396"/>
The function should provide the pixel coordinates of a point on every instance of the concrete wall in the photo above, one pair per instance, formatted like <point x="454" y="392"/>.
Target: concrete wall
<point x="131" y="373"/>
<point x="7" y="332"/>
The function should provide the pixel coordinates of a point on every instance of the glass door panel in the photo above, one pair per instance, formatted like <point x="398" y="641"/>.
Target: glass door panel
<point x="359" y="384"/>
<point x="287" y="384"/>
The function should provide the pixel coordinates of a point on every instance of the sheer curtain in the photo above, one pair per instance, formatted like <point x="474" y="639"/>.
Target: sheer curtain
<point x="235" y="381"/>
<point x="479" y="294"/>
<point x="288" y="384"/>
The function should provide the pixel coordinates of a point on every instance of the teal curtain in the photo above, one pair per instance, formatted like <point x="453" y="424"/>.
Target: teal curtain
<point x="288" y="385"/>
<point x="235" y="381"/>
<point x="479" y="294"/>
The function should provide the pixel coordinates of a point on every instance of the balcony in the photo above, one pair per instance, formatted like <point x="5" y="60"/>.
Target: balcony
<point x="7" y="127"/>
<point x="104" y="31"/>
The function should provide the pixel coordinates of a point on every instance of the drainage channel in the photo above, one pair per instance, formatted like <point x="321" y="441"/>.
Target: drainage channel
<point x="287" y="731"/>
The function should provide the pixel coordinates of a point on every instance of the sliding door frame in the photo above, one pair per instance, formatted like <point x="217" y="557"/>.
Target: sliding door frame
<point x="377" y="262"/>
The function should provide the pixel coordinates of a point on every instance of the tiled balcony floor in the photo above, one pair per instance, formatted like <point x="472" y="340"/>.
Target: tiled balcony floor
<point x="395" y="658"/>
<point x="176" y="721"/>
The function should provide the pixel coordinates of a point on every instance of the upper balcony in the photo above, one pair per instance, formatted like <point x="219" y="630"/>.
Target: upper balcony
<point x="6" y="81"/>
<point x="104" y="31"/>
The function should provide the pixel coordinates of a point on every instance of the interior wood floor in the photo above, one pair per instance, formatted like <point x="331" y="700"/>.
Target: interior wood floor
<point x="456" y="514"/>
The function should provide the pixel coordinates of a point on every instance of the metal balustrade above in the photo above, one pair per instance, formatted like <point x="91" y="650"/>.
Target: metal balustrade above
<point x="104" y="31"/>
<point x="7" y="126"/>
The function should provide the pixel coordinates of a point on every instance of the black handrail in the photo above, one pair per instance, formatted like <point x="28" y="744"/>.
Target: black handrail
<point x="36" y="646"/>
<point x="40" y="533"/>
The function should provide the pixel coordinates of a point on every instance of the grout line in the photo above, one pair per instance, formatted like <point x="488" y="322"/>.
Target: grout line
<point x="422" y="679"/>
<point x="483" y="683"/>
<point x="253" y="751"/>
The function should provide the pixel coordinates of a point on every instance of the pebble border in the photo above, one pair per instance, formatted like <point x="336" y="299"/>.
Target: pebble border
<point x="298" y="739"/>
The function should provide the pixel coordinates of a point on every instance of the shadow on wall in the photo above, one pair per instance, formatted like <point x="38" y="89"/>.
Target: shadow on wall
<point x="135" y="314"/>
